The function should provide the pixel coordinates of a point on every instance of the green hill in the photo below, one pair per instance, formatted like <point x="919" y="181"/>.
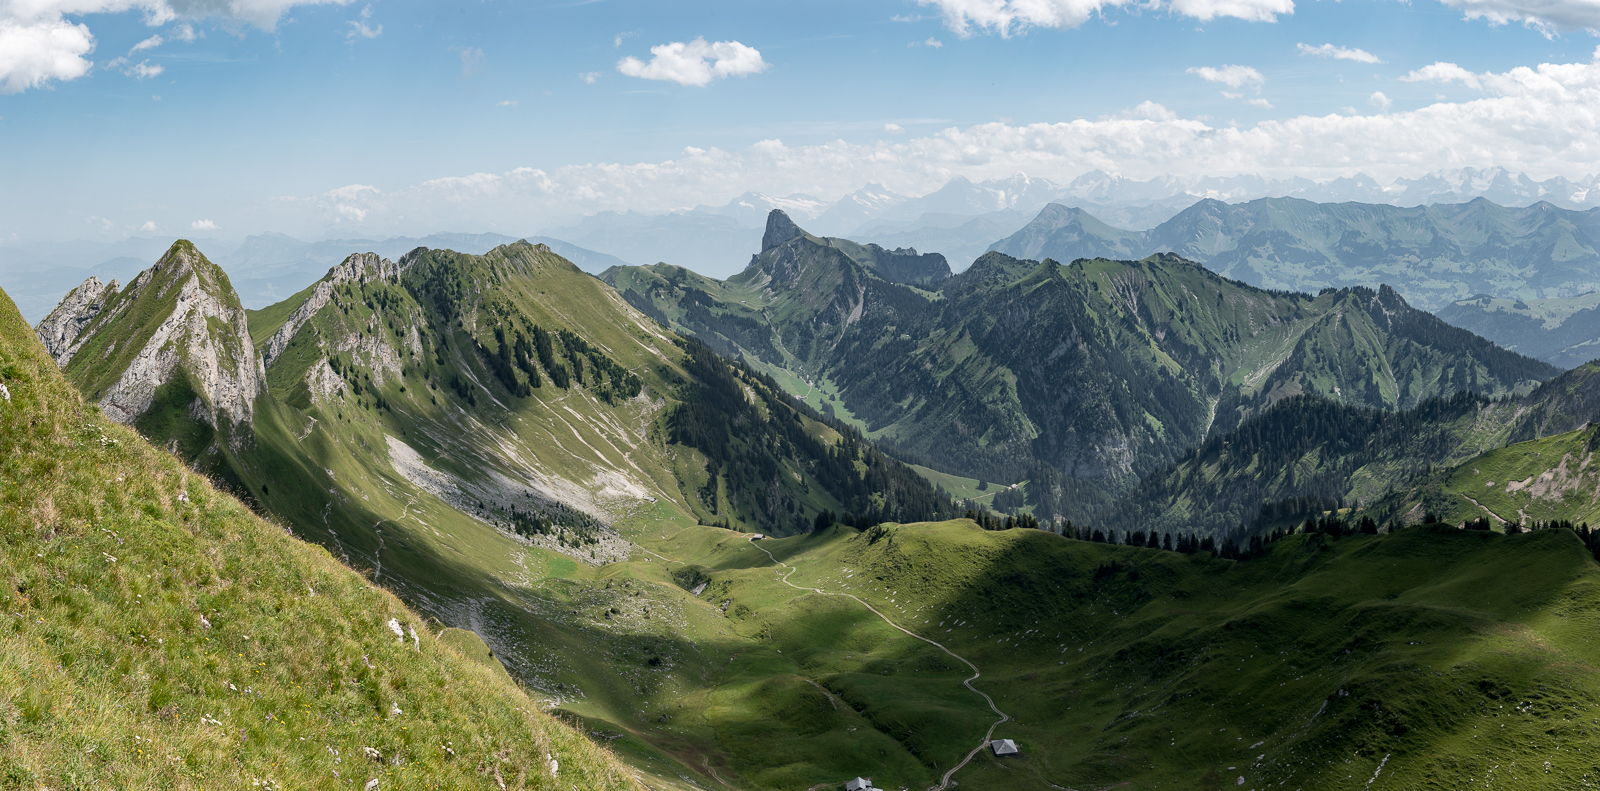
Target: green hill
<point x="1084" y="377"/>
<point x="1307" y="455"/>
<point x="1562" y="331"/>
<point x="1434" y="255"/>
<point x="1421" y="659"/>
<point x="159" y="635"/>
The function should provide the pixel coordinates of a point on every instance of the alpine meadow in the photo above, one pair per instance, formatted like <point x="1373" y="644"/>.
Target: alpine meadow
<point x="902" y="395"/>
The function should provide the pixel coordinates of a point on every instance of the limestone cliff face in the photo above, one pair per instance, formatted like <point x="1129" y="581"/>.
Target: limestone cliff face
<point x="61" y="329"/>
<point x="179" y="319"/>
<point x="359" y="269"/>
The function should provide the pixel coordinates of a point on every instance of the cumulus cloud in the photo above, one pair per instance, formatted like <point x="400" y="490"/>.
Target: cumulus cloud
<point x="1262" y="103"/>
<point x="1008" y="17"/>
<point x="149" y="226"/>
<point x="1547" y="16"/>
<point x="34" y="54"/>
<point x="1443" y="72"/>
<point x="933" y="42"/>
<point x="1378" y="100"/>
<point x="695" y="63"/>
<point x="1231" y="76"/>
<point x="1338" y="53"/>
<point x="1537" y="120"/>
<point x="894" y="129"/>
<point x="185" y="33"/>
<point x="149" y="43"/>
<point x="38" y="46"/>
<point x="589" y="77"/>
<point x="202" y="225"/>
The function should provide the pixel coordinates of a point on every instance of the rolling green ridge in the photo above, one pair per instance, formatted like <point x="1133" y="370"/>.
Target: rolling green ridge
<point x="488" y="436"/>
<point x="159" y="635"/>
<point x="1420" y="659"/>
<point x="1318" y="454"/>
<point x="516" y="450"/>
<point x="1563" y="331"/>
<point x="1085" y="376"/>
<point x="1434" y="255"/>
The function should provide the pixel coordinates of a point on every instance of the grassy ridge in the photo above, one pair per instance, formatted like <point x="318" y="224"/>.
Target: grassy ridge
<point x="1438" y="656"/>
<point x="159" y="635"/>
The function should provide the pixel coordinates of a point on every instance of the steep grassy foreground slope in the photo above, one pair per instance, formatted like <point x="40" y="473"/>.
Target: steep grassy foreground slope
<point x="1428" y="659"/>
<point x="156" y="634"/>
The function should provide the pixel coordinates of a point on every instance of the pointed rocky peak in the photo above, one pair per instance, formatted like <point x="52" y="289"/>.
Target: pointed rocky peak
<point x="82" y="305"/>
<point x="358" y="268"/>
<point x="175" y="341"/>
<point x="780" y="229"/>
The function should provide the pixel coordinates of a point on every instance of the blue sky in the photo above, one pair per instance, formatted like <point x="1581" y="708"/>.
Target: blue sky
<point x="400" y="117"/>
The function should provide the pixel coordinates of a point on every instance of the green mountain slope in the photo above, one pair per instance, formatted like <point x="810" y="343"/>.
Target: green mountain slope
<point x="491" y="436"/>
<point x="1434" y="254"/>
<point x="1562" y="331"/>
<point x="161" y="636"/>
<point x="1414" y="660"/>
<point x="1305" y="456"/>
<point x="1083" y="377"/>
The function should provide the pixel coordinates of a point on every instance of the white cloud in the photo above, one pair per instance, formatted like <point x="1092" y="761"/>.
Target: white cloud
<point x="695" y="63"/>
<point x="1539" y="120"/>
<point x="617" y="42"/>
<point x="149" y="226"/>
<point x="143" y="70"/>
<point x="1232" y="95"/>
<point x="589" y="77"/>
<point x="360" y="29"/>
<point x="894" y="129"/>
<point x="1546" y="16"/>
<point x="39" y="46"/>
<point x="202" y="225"/>
<point x="33" y="55"/>
<point x="506" y="103"/>
<point x="185" y="33"/>
<point x="473" y="61"/>
<point x="1378" y="100"/>
<point x="1262" y="103"/>
<point x="1231" y="76"/>
<point x="933" y="42"/>
<point x="1008" y="17"/>
<point x="149" y="43"/>
<point x="1338" y="53"/>
<point x="1443" y="72"/>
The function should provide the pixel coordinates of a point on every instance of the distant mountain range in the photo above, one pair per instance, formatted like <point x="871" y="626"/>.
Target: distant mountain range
<point x="1433" y="255"/>
<point x="963" y="218"/>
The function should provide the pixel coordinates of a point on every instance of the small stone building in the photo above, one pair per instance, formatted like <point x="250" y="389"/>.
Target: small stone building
<point x="858" y="784"/>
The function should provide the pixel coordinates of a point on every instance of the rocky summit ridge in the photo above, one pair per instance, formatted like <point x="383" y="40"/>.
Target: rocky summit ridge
<point x="178" y="320"/>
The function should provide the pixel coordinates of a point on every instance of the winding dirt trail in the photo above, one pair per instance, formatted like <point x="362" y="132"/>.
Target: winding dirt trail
<point x="945" y="781"/>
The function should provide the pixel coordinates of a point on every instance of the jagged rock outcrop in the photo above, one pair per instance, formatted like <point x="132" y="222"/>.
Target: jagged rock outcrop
<point x="780" y="229"/>
<point x="59" y="330"/>
<point x="179" y="323"/>
<point x="359" y="268"/>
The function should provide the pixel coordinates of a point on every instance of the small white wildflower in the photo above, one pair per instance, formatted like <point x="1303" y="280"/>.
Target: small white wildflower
<point x="394" y="711"/>
<point x="554" y="766"/>
<point x="205" y="623"/>
<point x="372" y="753"/>
<point x="183" y="497"/>
<point x="4" y="393"/>
<point x="394" y="626"/>
<point x="415" y="643"/>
